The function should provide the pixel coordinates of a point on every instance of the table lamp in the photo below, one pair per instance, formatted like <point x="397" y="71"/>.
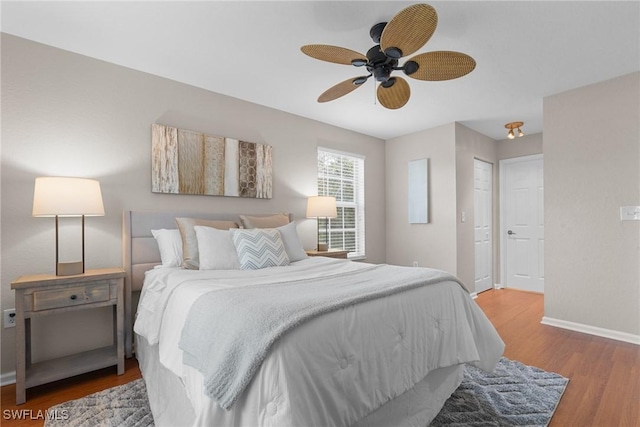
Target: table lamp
<point x="322" y="207"/>
<point x="67" y="197"/>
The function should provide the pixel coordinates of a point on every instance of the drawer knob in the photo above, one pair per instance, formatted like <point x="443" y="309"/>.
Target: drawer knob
<point x="74" y="297"/>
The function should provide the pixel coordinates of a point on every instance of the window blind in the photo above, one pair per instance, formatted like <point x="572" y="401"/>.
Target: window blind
<point x="341" y="175"/>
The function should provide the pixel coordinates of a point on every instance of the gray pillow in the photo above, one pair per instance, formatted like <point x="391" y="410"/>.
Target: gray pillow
<point x="259" y="248"/>
<point x="292" y="243"/>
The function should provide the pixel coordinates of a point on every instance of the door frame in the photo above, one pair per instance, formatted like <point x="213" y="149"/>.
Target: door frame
<point x="503" y="213"/>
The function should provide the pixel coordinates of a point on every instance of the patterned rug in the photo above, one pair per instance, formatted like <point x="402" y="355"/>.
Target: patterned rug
<point x="514" y="395"/>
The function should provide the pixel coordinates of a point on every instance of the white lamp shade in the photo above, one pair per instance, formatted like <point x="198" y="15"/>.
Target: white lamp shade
<point x="321" y="207"/>
<point x="67" y="197"/>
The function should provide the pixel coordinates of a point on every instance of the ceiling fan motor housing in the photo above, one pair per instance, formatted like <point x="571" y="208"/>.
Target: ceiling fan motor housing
<point x="380" y="65"/>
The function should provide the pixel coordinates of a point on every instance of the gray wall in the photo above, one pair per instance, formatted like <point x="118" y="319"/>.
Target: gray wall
<point x="66" y="114"/>
<point x="433" y="244"/>
<point x="591" y="168"/>
<point x="445" y="242"/>
<point x="518" y="147"/>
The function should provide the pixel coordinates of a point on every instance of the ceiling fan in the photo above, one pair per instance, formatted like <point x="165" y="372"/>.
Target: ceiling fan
<point x="407" y="32"/>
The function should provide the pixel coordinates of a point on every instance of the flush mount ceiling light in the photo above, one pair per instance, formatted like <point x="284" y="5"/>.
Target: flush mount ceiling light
<point x="514" y="125"/>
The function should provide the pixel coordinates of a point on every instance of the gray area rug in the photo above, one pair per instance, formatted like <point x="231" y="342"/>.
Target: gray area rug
<point x="514" y="395"/>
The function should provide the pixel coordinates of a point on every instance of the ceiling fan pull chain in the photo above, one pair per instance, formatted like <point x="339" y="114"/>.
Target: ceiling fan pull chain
<point x="375" y="92"/>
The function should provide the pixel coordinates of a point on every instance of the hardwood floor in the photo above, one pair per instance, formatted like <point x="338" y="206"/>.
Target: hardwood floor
<point x="603" y="391"/>
<point x="604" y="374"/>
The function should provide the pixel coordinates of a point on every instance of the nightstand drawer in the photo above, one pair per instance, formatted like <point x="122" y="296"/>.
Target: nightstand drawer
<point x="70" y="297"/>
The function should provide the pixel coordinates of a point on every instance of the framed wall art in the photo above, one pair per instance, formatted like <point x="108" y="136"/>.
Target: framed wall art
<point x="189" y="162"/>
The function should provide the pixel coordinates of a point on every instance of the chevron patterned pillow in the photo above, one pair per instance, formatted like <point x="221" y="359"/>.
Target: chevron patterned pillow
<point x="259" y="248"/>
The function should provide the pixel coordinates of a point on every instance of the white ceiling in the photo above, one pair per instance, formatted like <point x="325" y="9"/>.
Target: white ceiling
<point x="251" y="50"/>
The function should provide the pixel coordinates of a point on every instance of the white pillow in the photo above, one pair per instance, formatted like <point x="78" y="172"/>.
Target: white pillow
<point x="216" y="249"/>
<point x="170" y="246"/>
<point x="190" y="241"/>
<point x="259" y="248"/>
<point x="292" y="243"/>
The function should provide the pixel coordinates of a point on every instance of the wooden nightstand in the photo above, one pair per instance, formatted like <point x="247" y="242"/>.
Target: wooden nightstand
<point x="45" y="294"/>
<point x="331" y="253"/>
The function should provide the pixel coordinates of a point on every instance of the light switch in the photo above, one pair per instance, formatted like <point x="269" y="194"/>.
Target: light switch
<point x="630" y="213"/>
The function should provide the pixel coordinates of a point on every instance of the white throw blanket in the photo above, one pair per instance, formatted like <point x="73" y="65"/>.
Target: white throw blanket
<point x="252" y="318"/>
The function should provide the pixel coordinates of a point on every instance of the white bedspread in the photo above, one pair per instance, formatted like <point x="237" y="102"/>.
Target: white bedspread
<point x="332" y="370"/>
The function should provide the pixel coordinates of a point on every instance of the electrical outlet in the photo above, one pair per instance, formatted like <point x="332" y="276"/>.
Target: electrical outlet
<point x="10" y="318"/>
<point x="630" y="213"/>
<point x="415" y="263"/>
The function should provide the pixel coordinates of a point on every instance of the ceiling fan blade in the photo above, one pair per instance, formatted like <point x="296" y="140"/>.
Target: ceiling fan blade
<point x="409" y="30"/>
<point x="335" y="54"/>
<point x="341" y="89"/>
<point x="442" y="65"/>
<point x="395" y="96"/>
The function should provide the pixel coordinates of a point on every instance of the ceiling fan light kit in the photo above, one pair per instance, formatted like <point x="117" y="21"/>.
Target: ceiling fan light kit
<point x="514" y="125"/>
<point x="407" y="32"/>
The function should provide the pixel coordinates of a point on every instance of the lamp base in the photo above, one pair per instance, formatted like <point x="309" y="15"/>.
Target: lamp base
<point x="323" y="247"/>
<point x="69" y="268"/>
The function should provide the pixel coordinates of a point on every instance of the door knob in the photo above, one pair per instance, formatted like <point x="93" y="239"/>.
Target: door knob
<point x="510" y="232"/>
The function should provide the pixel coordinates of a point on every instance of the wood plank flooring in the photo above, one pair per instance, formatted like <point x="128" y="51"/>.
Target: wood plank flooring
<point x="603" y="391"/>
<point x="604" y="374"/>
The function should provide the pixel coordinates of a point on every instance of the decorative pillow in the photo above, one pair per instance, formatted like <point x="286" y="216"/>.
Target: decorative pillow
<point x="291" y="241"/>
<point x="259" y="248"/>
<point x="266" y="221"/>
<point x="190" y="259"/>
<point x="216" y="249"/>
<point x="170" y="246"/>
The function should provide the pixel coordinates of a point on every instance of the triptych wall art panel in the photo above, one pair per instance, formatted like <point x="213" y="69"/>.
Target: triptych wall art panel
<point x="188" y="162"/>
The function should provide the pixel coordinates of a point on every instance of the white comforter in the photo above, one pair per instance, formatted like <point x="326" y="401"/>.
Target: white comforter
<point x="332" y="370"/>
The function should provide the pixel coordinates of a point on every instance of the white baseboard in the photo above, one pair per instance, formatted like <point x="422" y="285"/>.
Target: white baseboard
<point x="474" y="295"/>
<point x="8" y="378"/>
<point x="592" y="330"/>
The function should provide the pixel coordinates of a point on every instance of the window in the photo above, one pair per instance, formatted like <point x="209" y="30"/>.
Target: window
<point x="342" y="175"/>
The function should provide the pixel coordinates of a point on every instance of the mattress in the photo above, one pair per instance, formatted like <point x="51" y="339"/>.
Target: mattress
<point x="346" y="367"/>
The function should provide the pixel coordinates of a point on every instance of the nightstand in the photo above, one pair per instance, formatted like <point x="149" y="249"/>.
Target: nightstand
<point x="45" y="294"/>
<point x="331" y="253"/>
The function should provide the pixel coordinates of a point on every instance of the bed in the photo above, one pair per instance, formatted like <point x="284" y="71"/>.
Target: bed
<point x="390" y="353"/>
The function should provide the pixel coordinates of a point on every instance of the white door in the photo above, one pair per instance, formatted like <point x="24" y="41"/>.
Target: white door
<point x="483" y="214"/>
<point x="522" y="223"/>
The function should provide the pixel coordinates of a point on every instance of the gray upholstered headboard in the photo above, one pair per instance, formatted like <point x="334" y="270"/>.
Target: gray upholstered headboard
<point x="140" y="251"/>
